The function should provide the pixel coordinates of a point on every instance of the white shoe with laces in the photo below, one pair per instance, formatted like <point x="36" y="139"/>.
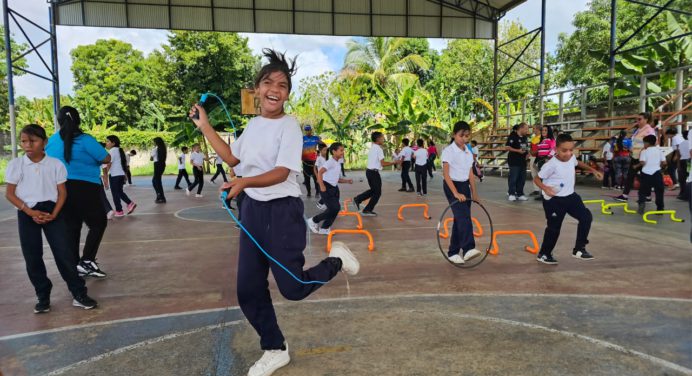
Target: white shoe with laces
<point x="471" y="254"/>
<point x="512" y="198"/>
<point x="313" y="226"/>
<point x="522" y="198"/>
<point x="270" y="361"/>
<point x="349" y="263"/>
<point x="457" y="259"/>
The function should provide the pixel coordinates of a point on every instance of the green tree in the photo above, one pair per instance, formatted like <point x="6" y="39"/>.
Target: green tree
<point x="17" y="49"/>
<point x="111" y="82"/>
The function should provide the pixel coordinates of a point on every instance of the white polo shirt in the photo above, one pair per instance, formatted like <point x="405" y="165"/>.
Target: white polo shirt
<point x="559" y="175"/>
<point x="652" y="158"/>
<point x="406" y="153"/>
<point x="319" y="162"/>
<point x="218" y="160"/>
<point x="116" y="164"/>
<point x="375" y="157"/>
<point x="181" y="161"/>
<point x="421" y="157"/>
<point x="266" y="144"/>
<point x="684" y="150"/>
<point x="197" y="158"/>
<point x="460" y="161"/>
<point x="676" y="141"/>
<point x="333" y="172"/>
<point x="154" y="154"/>
<point x="36" y="182"/>
<point x="607" y="151"/>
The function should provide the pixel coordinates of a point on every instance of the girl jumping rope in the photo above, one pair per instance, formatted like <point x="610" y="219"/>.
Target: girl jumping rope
<point x="272" y="211"/>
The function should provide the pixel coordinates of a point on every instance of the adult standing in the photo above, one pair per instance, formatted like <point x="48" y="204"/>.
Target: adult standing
<point x="683" y="167"/>
<point x="158" y="156"/>
<point x="643" y="129"/>
<point x="310" y="143"/>
<point x="83" y="156"/>
<point x="432" y="155"/>
<point x="517" y="147"/>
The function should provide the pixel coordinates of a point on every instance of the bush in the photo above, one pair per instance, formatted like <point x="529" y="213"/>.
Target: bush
<point x="133" y="137"/>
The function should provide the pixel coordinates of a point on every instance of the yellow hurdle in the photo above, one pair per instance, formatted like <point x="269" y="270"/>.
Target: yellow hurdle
<point x="670" y="212"/>
<point x="605" y="208"/>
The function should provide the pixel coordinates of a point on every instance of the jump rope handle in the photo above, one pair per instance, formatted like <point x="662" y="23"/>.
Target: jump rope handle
<point x="202" y="99"/>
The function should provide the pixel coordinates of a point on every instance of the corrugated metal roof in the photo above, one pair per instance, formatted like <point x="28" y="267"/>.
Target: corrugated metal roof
<point x="470" y="19"/>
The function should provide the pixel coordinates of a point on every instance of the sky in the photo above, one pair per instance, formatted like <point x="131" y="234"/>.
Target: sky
<point x="316" y="54"/>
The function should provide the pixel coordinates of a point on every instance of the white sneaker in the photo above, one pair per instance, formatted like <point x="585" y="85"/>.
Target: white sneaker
<point x="471" y="254"/>
<point x="349" y="263"/>
<point x="522" y="198"/>
<point x="199" y="195"/>
<point x="270" y="361"/>
<point x="313" y="226"/>
<point x="457" y="259"/>
<point x="324" y="231"/>
<point x="320" y="206"/>
<point x="512" y="198"/>
<point x="187" y="191"/>
<point x="110" y="214"/>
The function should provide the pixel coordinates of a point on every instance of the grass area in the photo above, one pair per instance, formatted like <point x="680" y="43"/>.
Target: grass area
<point x="3" y="167"/>
<point x="148" y="170"/>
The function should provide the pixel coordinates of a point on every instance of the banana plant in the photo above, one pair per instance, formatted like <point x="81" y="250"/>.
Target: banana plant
<point x="342" y="131"/>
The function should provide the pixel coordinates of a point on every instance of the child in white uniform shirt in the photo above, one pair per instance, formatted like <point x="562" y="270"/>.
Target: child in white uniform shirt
<point x="36" y="187"/>
<point x="182" y="169"/>
<point x="375" y="164"/>
<point x="116" y="176"/>
<point x="328" y="180"/>
<point x="322" y="151"/>
<point x="197" y="161"/>
<point x="405" y="157"/>
<point x="459" y="185"/>
<point x="556" y="180"/>
<point x="650" y="160"/>
<point x="270" y="150"/>
<point x="421" y="160"/>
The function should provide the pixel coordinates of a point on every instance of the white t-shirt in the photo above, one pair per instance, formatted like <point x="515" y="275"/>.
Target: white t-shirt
<point x="219" y="160"/>
<point x="421" y="156"/>
<point x="127" y="159"/>
<point x="406" y="153"/>
<point x="319" y="162"/>
<point x="36" y="182"/>
<point x="559" y="175"/>
<point x="607" y="151"/>
<point x="116" y="164"/>
<point x="676" y="141"/>
<point x="266" y="144"/>
<point x="375" y="157"/>
<point x="181" y="161"/>
<point x="238" y="170"/>
<point x="197" y="158"/>
<point x="685" y="150"/>
<point x="460" y="161"/>
<point x="333" y="172"/>
<point x="474" y="150"/>
<point x="154" y="154"/>
<point x="652" y="158"/>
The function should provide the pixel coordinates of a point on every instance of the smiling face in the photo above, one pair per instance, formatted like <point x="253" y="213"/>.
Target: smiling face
<point x="33" y="146"/>
<point x="273" y="92"/>
<point x="338" y="153"/>
<point x="544" y="132"/>
<point x="109" y="144"/>
<point x="565" y="151"/>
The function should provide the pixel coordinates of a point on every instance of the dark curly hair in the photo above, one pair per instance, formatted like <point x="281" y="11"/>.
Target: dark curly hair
<point x="278" y="62"/>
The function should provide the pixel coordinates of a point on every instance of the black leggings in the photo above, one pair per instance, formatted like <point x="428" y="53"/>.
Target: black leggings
<point x="422" y="177"/>
<point x="219" y="171"/>
<point x="159" y="167"/>
<point x="84" y="205"/>
<point x="199" y="179"/>
<point x="330" y="197"/>
<point x="405" y="179"/>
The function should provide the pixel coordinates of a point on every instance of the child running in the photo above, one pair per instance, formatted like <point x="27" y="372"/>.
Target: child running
<point x="116" y="173"/>
<point x="182" y="169"/>
<point x="322" y="155"/>
<point x="650" y="160"/>
<point x="405" y="157"/>
<point x="421" y="160"/>
<point x="457" y="163"/>
<point x="328" y="179"/>
<point x="556" y="180"/>
<point x="375" y="164"/>
<point x="197" y="161"/>
<point x="36" y="187"/>
<point x="270" y="149"/>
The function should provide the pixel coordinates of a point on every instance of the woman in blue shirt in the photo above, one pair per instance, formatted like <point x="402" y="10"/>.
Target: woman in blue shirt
<point x="83" y="156"/>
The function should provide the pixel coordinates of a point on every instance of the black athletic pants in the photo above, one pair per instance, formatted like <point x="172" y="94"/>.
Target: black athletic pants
<point x="198" y="173"/>
<point x="405" y="179"/>
<point x="555" y="210"/>
<point x="159" y="167"/>
<point x="330" y="198"/>
<point x="84" y="206"/>
<point x="648" y="182"/>
<point x="182" y="173"/>
<point x="462" y="232"/>
<point x="422" y="179"/>
<point x="374" y="193"/>
<point x="219" y="171"/>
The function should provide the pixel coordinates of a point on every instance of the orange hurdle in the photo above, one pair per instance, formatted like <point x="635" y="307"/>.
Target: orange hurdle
<point x="371" y="245"/>
<point x="534" y="249"/>
<point x="445" y="234"/>
<point x="402" y="207"/>
<point x="353" y="214"/>
<point x="346" y="201"/>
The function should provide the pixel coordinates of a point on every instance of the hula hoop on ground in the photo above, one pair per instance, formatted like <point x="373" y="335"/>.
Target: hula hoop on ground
<point x="473" y="262"/>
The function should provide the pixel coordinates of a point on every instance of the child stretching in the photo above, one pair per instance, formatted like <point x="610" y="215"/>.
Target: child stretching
<point x="182" y="169"/>
<point x="328" y="179"/>
<point x="556" y="180"/>
<point x="375" y="164"/>
<point x="650" y="159"/>
<point x="457" y="169"/>
<point x="322" y="155"/>
<point x="36" y="187"/>
<point x="197" y="161"/>
<point x="270" y="149"/>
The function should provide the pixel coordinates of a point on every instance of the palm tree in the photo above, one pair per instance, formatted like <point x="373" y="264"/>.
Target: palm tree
<point x="382" y="60"/>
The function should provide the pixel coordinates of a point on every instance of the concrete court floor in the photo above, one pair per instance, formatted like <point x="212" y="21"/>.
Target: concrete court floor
<point x="168" y="306"/>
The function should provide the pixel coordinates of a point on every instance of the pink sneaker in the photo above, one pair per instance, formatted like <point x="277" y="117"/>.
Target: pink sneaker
<point x="131" y="207"/>
<point x="119" y="214"/>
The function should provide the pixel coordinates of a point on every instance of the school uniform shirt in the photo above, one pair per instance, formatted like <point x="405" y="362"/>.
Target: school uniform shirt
<point x="333" y="172"/>
<point x="87" y="155"/>
<point x="116" y="164"/>
<point x="684" y="150"/>
<point x="127" y="159"/>
<point x="197" y="158"/>
<point x="36" y="182"/>
<point x="517" y="142"/>
<point x="266" y="144"/>
<point x="608" y="151"/>
<point x="218" y="160"/>
<point x="474" y="151"/>
<point x="460" y="161"/>
<point x="652" y="158"/>
<point x="319" y="162"/>
<point x="406" y="153"/>
<point x="559" y="175"/>
<point x="676" y="141"/>
<point x="181" y="161"/>
<point x="421" y="156"/>
<point x="238" y="170"/>
<point x="155" y="154"/>
<point x="375" y="157"/>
